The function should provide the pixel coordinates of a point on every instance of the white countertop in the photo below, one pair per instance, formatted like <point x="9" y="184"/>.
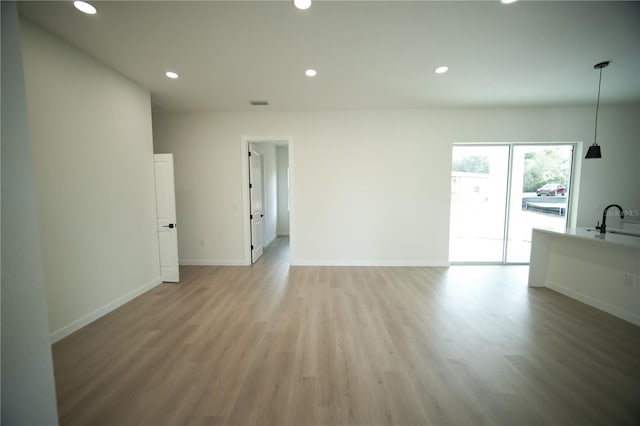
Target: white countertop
<point x="594" y="235"/>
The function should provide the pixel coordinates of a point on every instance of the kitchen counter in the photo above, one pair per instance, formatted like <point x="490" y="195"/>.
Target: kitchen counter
<point x="591" y="234"/>
<point x="601" y="270"/>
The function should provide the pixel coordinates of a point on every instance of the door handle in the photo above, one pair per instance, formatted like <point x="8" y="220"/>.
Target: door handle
<point x="171" y="225"/>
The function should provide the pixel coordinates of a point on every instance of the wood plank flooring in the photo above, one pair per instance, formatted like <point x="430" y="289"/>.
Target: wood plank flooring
<point x="277" y="345"/>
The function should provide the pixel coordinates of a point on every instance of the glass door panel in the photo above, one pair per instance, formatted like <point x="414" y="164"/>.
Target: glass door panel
<point x="478" y="203"/>
<point x="539" y="193"/>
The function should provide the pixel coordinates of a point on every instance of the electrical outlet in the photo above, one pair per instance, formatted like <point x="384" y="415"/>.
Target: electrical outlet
<point x="203" y="243"/>
<point x="629" y="281"/>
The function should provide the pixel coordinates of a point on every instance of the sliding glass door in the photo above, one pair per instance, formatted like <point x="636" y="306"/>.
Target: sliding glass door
<point x="539" y="192"/>
<point x="478" y="187"/>
<point x="499" y="193"/>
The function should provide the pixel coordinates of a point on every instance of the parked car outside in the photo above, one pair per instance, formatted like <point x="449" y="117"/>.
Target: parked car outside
<point x="551" y="189"/>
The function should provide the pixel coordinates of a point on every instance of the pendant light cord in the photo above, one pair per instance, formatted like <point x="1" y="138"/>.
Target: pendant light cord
<point x="595" y="131"/>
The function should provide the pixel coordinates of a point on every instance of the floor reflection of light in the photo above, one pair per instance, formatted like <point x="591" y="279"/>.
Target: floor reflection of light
<point x="489" y="304"/>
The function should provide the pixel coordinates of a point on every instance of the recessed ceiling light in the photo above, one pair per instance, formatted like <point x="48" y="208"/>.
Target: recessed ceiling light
<point x="311" y="73"/>
<point x="442" y="69"/>
<point x="85" y="7"/>
<point x="508" y="1"/>
<point x="171" y="74"/>
<point x="302" y="4"/>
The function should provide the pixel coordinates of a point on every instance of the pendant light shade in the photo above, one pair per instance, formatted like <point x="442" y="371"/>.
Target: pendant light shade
<point x="594" y="150"/>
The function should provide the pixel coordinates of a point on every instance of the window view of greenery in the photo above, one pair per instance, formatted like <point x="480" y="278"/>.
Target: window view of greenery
<point x="540" y="168"/>
<point x="543" y="167"/>
<point x="471" y="164"/>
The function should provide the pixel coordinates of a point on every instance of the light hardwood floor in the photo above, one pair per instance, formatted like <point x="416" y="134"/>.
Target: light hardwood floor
<point x="277" y="345"/>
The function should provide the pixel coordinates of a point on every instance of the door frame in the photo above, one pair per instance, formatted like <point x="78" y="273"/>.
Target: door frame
<point x="572" y="199"/>
<point x="246" y="221"/>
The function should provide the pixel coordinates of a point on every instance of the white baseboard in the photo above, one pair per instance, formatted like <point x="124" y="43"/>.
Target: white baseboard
<point x="89" y="318"/>
<point x="212" y="262"/>
<point x="596" y="303"/>
<point x="390" y="263"/>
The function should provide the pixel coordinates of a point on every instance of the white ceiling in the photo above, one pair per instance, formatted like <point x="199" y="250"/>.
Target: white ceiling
<point x="369" y="54"/>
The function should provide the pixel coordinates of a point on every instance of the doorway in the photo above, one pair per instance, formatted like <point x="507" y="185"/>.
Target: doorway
<point x="500" y="192"/>
<point x="266" y="193"/>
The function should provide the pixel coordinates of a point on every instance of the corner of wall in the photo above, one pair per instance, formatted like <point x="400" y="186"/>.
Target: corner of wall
<point x="94" y="315"/>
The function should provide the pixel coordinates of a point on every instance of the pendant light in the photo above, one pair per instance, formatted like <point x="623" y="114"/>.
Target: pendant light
<point x="594" y="150"/>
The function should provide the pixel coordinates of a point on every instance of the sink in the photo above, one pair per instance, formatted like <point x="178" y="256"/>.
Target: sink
<point x="629" y="233"/>
<point x="616" y="231"/>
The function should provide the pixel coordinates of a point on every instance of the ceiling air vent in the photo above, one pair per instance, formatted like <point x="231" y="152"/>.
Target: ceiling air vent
<point x="259" y="103"/>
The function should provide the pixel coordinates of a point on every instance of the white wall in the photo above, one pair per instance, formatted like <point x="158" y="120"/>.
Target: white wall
<point x="28" y="390"/>
<point x="282" y="164"/>
<point x="613" y="178"/>
<point x="93" y="155"/>
<point x="372" y="187"/>
<point x="269" y="171"/>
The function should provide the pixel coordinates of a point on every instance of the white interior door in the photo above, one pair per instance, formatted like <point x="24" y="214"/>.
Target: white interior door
<point x="257" y="204"/>
<point x="166" y="214"/>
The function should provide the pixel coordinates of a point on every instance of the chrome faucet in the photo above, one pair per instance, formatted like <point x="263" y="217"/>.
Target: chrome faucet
<point x="603" y="227"/>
